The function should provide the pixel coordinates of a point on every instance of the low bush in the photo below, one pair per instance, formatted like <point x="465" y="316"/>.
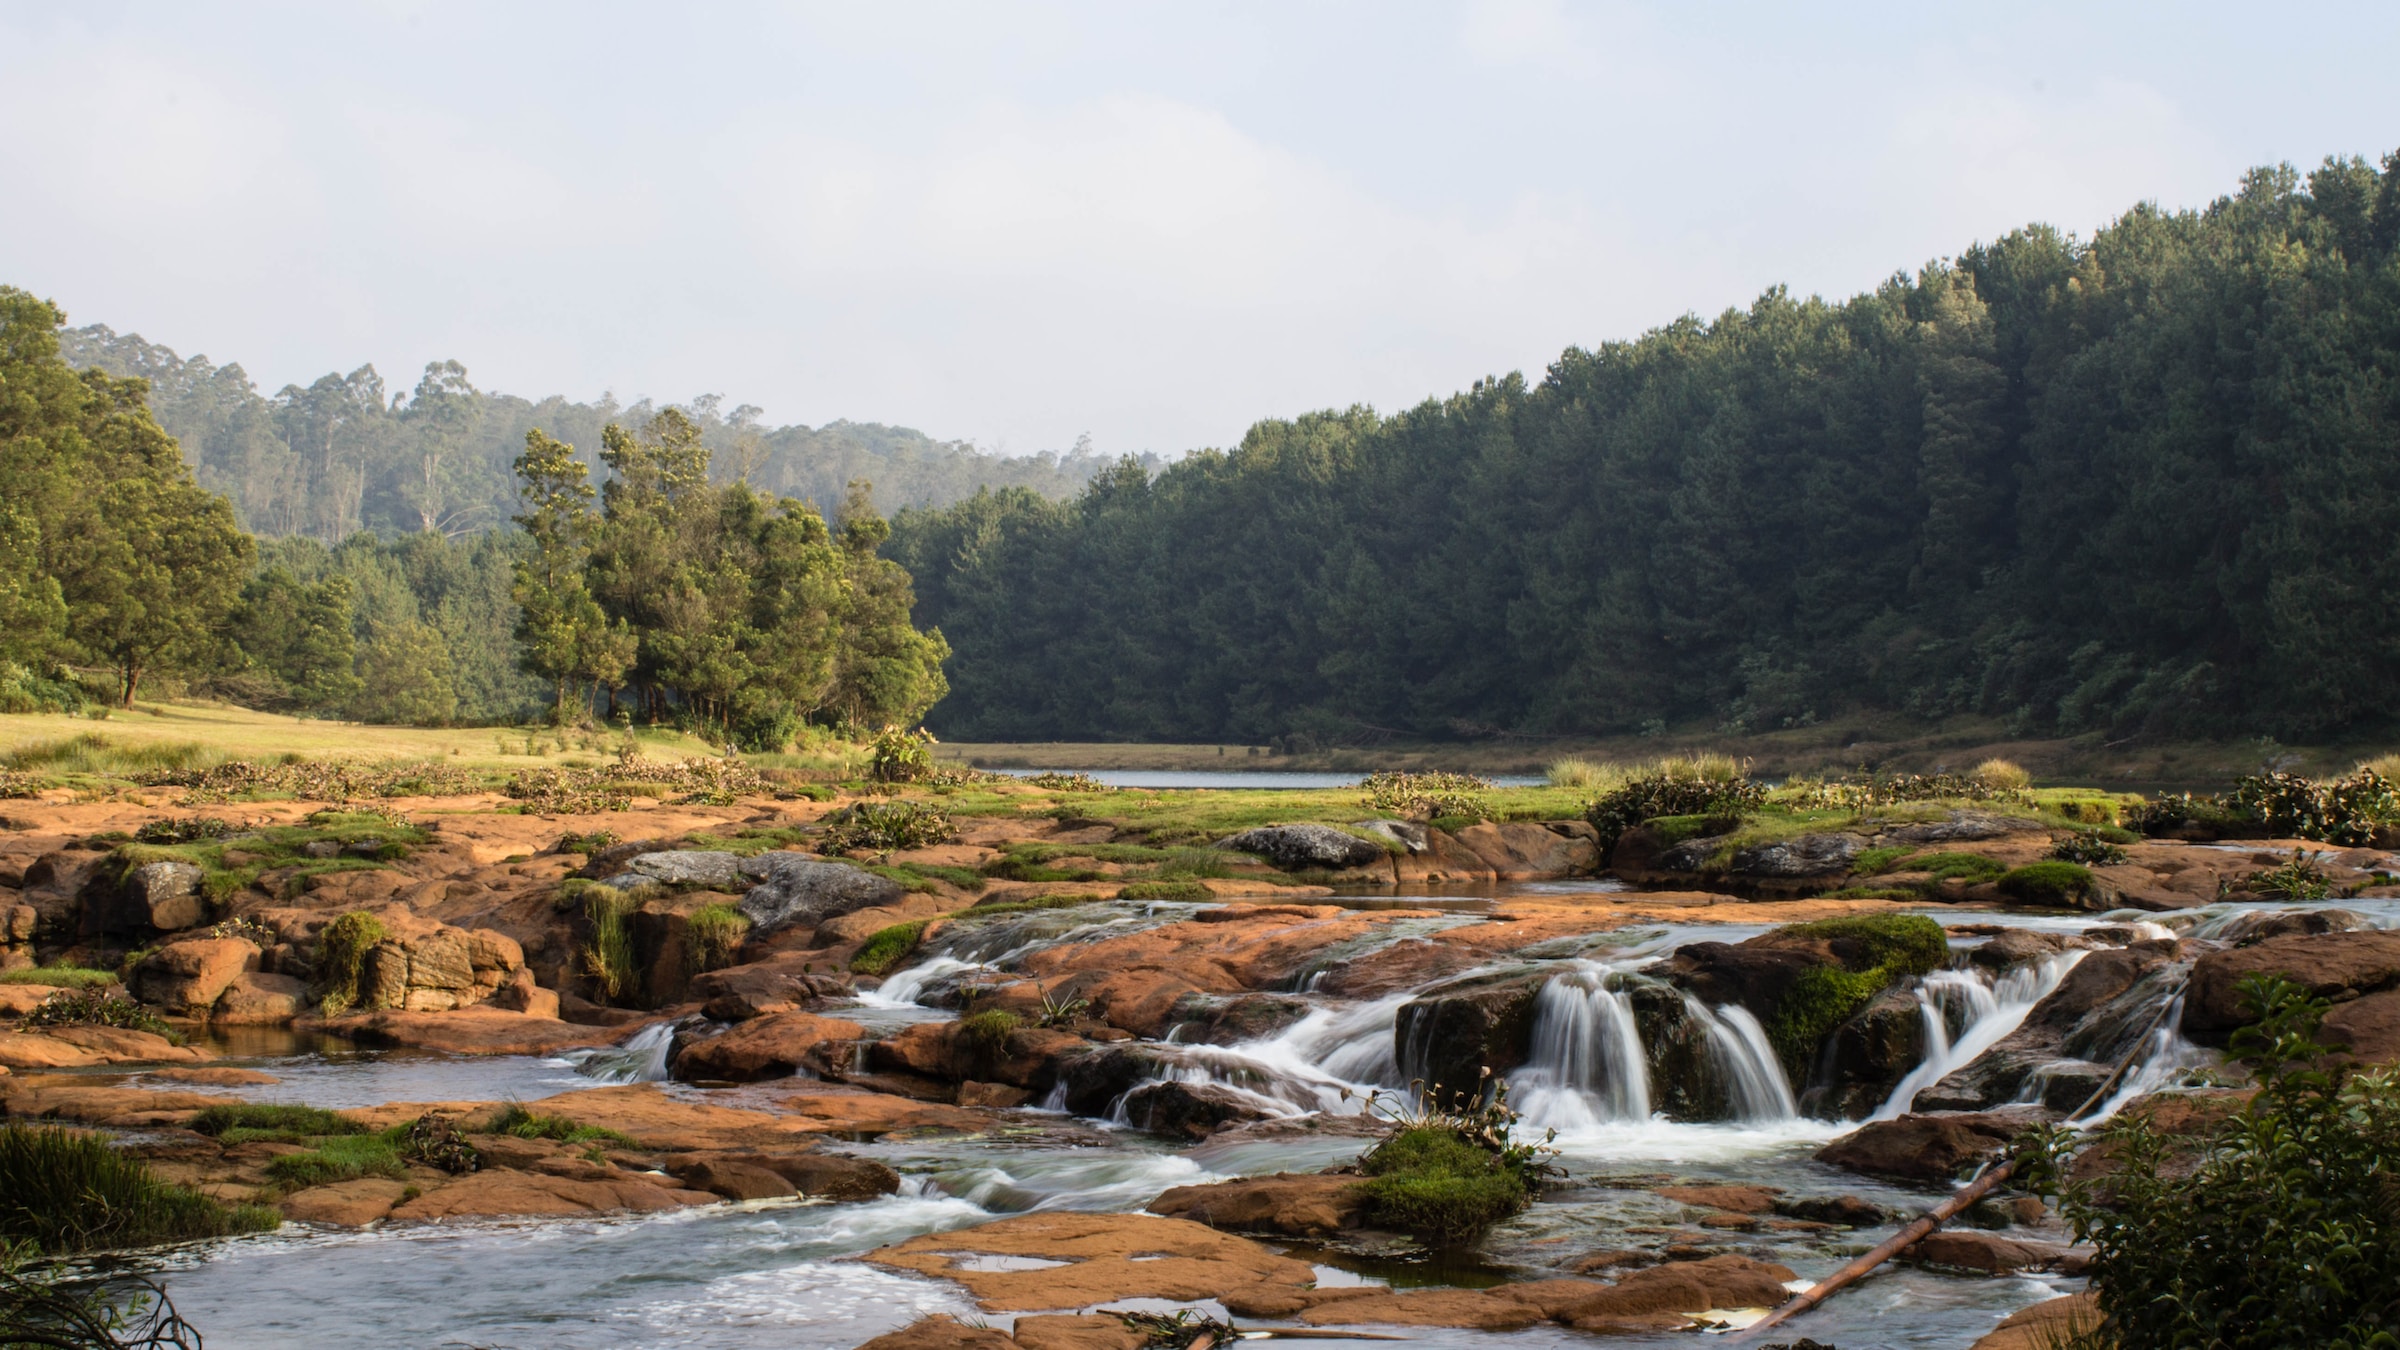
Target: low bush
<point x="2004" y="775"/>
<point x="887" y="948"/>
<point x="342" y="955"/>
<point x="1873" y="790"/>
<point x="90" y="1006"/>
<point x="901" y="756"/>
<point x="713" y="937"/>
<point x="1574" y="772"/>
<point x="2285" y="1231"/>
<point x="2341" y="811"/>
<point x="2058" y="884"/>
<point x="1068" y="782"/>
<point x="2298" y="879"/>
<point x="2089" y="848"/>
<point x="63" y="1191"/>
<point x="1427" y="796"/>
<point x="431" y="1141"/>
<point x="883" y="827"/>
<point x="1704" y="788"/>
<point x="1450" y="1170"/>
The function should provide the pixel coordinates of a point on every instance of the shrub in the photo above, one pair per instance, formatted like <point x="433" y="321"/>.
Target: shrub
<point x="67" y="1192"/>
<point x="2004" y="775"/>
<point x="67" y="977"/>
<point x="90" y="1007"/>
<point x="189" y="829"/>
<point x="2089" y="849"/>
<point x="342" y="955"/>
<point x="2285" y="1232"/>
<point x="900" y="756"/>
<point x="884" y="827"/>
<point x="2299" y="879"/>
<point x="1691" y="788"/>
<point x="713" y="937"/>
<point x="2342" y="811"/>
<point x="1450" y="1171"/>
<point x="607" y="956"/>
<point x="2058" y="884"/>
<point x="1427" y="795"/>
<point x="1068" y="782"/>
<point x="1165" y="890"/>
<point x="430" y="1141"/>
<point x="887" y="948"/>
<point x="295" y="1122"/>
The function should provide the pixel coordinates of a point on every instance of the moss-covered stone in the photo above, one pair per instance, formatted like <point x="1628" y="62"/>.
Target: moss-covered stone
<point x="1438" y="1187"/>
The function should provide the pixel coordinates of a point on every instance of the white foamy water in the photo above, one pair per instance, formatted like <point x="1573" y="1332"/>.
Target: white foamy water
<point x="1986" y="1010"/>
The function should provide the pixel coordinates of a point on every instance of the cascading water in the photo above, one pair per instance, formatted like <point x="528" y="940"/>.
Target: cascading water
<point x="1964" y="1016"/>
<point x="641" y="1059"/>
<point x="1754" y="1079"/>
<point x="1585" y="1067"/>
<point x="902" y="988"/>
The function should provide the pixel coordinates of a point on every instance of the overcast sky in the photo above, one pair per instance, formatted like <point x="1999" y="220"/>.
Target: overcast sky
<point x="1014" y="223"/>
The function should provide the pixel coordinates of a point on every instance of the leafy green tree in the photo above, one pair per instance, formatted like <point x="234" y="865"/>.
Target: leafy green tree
<point x="406" y="677"/>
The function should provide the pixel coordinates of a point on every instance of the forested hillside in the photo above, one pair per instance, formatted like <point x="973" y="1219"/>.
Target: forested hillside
<point x="2147" y="482"/>
<point x="663" y="595"/>
<point x="348" y="453"/>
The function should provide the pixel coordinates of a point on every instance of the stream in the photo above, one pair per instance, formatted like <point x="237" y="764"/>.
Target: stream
<point x="773" y="1274"/>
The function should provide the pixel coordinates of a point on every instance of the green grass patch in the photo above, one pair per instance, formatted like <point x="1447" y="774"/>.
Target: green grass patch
<point x="987" y="1033"/>
<point x="1968" y="867"/>
<point x="713" y="936"/>
<point x="1029" y="904"/>
<point x="887" y="948"/>
<point x="1166" y="890"/>
<point x="63" y="1191"/>
<point x="2062" y="885"/>
<point x="271" y="1119"/>
<point x="340" y="1158"/>
<point x="66" y="977"/>
<point x="1877" y="861"/>
<point x="515" y="1119"/>
<point x="1676" y="829"/>
<point x="1438" y="1187"/>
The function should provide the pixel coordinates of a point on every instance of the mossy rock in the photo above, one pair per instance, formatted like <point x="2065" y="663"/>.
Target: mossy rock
<point x="2060" y="885"/>
<point x="1439" y="1188"/>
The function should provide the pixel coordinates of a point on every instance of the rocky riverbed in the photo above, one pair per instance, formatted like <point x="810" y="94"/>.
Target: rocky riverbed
<point x="1067" y="1062"/>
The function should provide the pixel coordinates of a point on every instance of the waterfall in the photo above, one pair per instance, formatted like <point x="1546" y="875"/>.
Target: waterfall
<point x="1738" y="1047"/>
<point x="1586" y="1067"/>
<point x="1964" y="1016"/>
<point x="641" y="1059"/>
<point x="901" y="989"/>
<point x="2166" y="1059"/>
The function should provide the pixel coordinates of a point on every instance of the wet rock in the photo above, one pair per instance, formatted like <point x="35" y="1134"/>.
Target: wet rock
<point x="1986" y="1253"/>
<point x="1732" y="1199"/>
<point x="1102" y="1258"/>
<point x="2053" y="1322"/>
<point x="187" y="977"/>
<point x="784" y="978"/>
<point x="941" y="1331"/>
<point x="793" y="890"/>
<point x="1287" y="1204"/>
<point x="2095" y="1013"/>
<point x="345" y="1204"/>
<point x="1524" y="850"/>
<point x="1096" y="1079"/>
<point x="775" y="1046"/>
<point x="469" y="1031"/>
<point x="520" y="994"/>
<point x="159" y="897"/>
<point x="1645" y="1299"/>
<point x="259" y="1000"/>
<point x="1449" y="1035"/>
<point x="707" y="868"/>
<point x="1846" y="1210"/>
<point x="2339" y="966"/>
<point x="1205" y="1019"/>
<point x="1808" y="856"/>
<point x="992" y="1096"/>
<point x="1930" y="1147"/>
<point x="496" y="1193"/>
<point x="2244" y="929"/>
<point x="1193" y="1110"/>
<point x="1601" y="1262"/>
<point x="214" y="1076"/>
<point x="732" y="1178"/>
<point x="1082" y="1331"/>
<point x="1867" y="1057"/>
<point x="1296" y="848"/>
<point x="2014" y="947"/>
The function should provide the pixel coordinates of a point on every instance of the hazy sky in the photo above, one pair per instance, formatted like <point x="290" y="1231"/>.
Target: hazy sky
<point x="1012" y="223"/>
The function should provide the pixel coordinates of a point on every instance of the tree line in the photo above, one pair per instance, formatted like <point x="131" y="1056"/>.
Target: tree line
<point x="347" y="453"/>
<point x="662" y="595"/>
<point x="2141" y="483"/>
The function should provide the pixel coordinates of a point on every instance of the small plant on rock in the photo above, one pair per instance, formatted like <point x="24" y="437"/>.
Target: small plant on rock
<point x="342" y="958"/>
<point x="607" y="956"/>
<point x="1452" y="1168"/>
<point x="431" y="1141"/>
<point x="2299" y="879"/>
<point x="883" y="952"/>
<point x="884" y="827"/>
<point x="2088" y="849"/>
<point x="2061" y="885"/>
<point x="91" y="1007"/>
<point x="713" y="937"/>
<point x="1061" y="1012"/>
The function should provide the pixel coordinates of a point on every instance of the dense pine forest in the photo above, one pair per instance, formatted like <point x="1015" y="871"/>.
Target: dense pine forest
<point x="2146" y="483"/>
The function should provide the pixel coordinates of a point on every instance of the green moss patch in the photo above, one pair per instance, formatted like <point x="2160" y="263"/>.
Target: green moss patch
<point x="887" y="948"/>
<point x="1165" y="890"/>
<point x="2060" y="884"/>
<point x="65" y="977"/>
<point x="255" y="1120"/>
<point x="1445" y="1190"/>
<point x="1874" y="950"/>
<point x="1967" y="867"/>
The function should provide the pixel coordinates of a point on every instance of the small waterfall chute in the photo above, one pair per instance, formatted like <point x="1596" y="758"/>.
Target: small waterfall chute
<point x="1585" y="1066"/>
<point x="1739" y="1050"/>
<point x="1965" y="1016"/>
<point x="641" y="1059"/>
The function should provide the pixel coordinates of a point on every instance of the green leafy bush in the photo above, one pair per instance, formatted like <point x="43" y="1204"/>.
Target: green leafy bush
<point x="884" y="827"/>
<point x="2299" y="879"/>
<point x="90" y="1006"/>
<point x="342" y="955"/>
<point x="2089" y="849"/>
<point x="2059" y="884"/>
<point x="2344" y="811"/>
<point x="901" y="756"/>
<point x="1427" y="796"/>
<point x="1667" y="793"/>
<point x="2285" y="1230"/>
<point x="431" y="1141"/>
<point x="1452" y="1168"/>
<point x="63" y="1191"/>
<point x="713" y="937"/>
<point x="887" y="948"/>
<point x="1055" y="781"/>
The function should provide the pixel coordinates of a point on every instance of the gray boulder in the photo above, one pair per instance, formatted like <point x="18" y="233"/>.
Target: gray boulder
<point x="1809" y="855"/>
<point x="793" y="889"/>
<point x="155" y="897"/>
<point x="682" y="867"/>
<point x="1960" y="827"/>
<point x="1297" y="847"/>
<point x="1408" y="834"/>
